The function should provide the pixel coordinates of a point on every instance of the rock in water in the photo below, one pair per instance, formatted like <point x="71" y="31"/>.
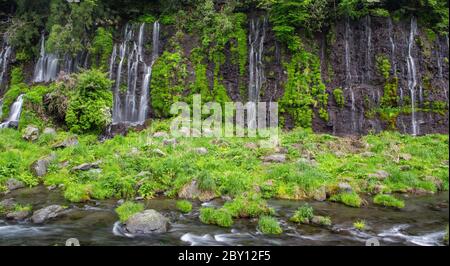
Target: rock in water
<point x="18" y="215"/>
<point x="13" y="184"/>
<point x="44" y="214"/>
<point x="39" y="167"/>
<point x="31" y="133"/>
<point x="147" y="222"/>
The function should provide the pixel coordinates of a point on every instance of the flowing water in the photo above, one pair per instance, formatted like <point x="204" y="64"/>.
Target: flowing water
<point x="46" y="68"/>
<point x="14" y="113"/>
<point x="5" y="53"/>
<point x="412" y="76"/>
<point x="368" y="27"/>
<point x="131" y="104"/>
<point x="256" y="38"/>
<point x="422" y="222"/>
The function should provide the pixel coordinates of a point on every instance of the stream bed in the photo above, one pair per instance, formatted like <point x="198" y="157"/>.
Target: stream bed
<point x="422" y="222"/>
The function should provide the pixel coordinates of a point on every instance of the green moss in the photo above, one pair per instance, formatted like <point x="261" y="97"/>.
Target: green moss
<point x="77" y="192"/>
<point x="244" y="207"/>
<point x="184" y="206"/>
<point x="218" y="217"/>
<point x="388" y="201"/>
<point x="102" y="46"/>
<point x="360" y="225"/>
<point x="349" y="199"/>
<point x="269" y="226"/>
<point x="128" y="209"/>
<point x="304" y="214"/>
<point x="339" y="97"/>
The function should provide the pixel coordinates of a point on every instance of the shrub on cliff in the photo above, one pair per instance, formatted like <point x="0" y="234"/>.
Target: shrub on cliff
<point x="90" y="105"/>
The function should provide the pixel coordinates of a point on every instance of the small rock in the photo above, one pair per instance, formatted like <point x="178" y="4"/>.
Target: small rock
<point x="406" y="156"/>
<point x="158" y="152"/>
<point x="380" y="175"/>
<point x="69" y="142"/>
<point x="39" y="167"/>
<point x="320" y="194"/>
<point x="44" y="214"/>
<point x="52" y="187"/>
<point x="139" y="198"/>
<point x="201" y="151"/>
<point x="134" y="151"/>
<point x="7" y="203"/>
<point x="226" y="198"/>
<point x="378" y="189"/>
<point x="160" y="134"/>
<point x="345" y="187"/>
<point x="339" y="154"/>
<point x="13" y="184"/>
<point x="275" y="158"/>
<point x="192" y="191"/>
<point x="18" y="215"/>
<point x="281" y="150"/>
<point x="405" y="167"/>
<point x="185" y="132"/>
<point x="436" y="181"/>
<point x="367" y="154"/>
<point x="49" y="131"/>
<point x="251" y="146"/>
<point x="320" y="220"/>
<point x="87" y="166"/>
<point x="419" y="191"/>
<point x="170" y="142"/>
<point x="147" y="222"/>
<point x="120" y="202"/>
<point x="31" y="133"/>
<point x="307" y="161"/>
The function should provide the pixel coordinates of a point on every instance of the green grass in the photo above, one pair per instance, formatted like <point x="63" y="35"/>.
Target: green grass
<point x="303" y="215"/>
<point x="359" y="225"/>
<point x="128" y="209"/>
<point x="184" y="206"/>
<point x="349" y="199"/>
<point x="388" y="201"/>
<point x="218" y="217"/>
<point x="269" y="225"/>
<point x="20" y="207"/>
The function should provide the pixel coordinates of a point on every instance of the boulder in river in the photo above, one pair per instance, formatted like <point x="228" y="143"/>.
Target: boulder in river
<point x="13" y="184"/>
<point x="39" y="167"/>
<point x="42" y="215"/>
<point x="31" y="133"/>
<point x="147" y="222"/>
<point x="18" y="215"/>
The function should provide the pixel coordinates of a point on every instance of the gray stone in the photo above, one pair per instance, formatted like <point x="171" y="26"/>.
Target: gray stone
<point x="158" y="152"/>
<point x="380" y="175"/>
<point x="31" y="133"/>
<point x="367" y="154"/>
<point x="120" y="202"/>
<point x="170" y="142"/>
<point x="87" y="166"/>
<point x="345" y="187"/>
<point x="321" y="220"/>
<point x="160" y="134"/>
<point x="201" y="151"/>
<point x="42" y="215"/>
<point x="69" y="142"/>
<point x="49" y="131"/>
<point x="405" y="156"/>
<point x="13" y="184"/>
<point x="7" y="203"/>
<point x="320" y="194"/>
<point x="275" y="158"/>
<point x="18" y="215"/>
<point x="251" y="146"/>
<point x="192" y="191"/>
<point x="39" y="167"/>
<point x="147" y="222"/>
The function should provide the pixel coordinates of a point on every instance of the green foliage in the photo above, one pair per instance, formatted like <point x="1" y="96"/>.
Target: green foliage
<point x="383" y="66"/>
<point x="245" y="207"/>
<point x="17" y="87"/>
<point x="269" y="225"/>
<point x="350" y="199"/>
<point x="184" y="206"/>
<point x="89" y="107"/>
<point x="128" y="209"/>
<point x="102" y="46"/>
<point x="323" y="220"/>
<point x="339" y="97"/>
<point x="168" y="77"/>
<point x="218" y="217"/>
<point x="388" y="201"/>
<point x="360" y="225"/>
<point x="304" y="214"/>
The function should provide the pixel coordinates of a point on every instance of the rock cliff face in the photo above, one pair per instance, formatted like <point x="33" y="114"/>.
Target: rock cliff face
<point x="392" y="74"/>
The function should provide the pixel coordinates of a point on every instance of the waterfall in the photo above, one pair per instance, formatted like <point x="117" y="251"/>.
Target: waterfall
<point x="393" y="47"/>
<point x="348" y="72"/>
<point x="5" y="53"/>
<point x="46" y="68"/>
<point x="131" y="106"/>
<point x="369" y="48"/>
<point x="1" y="108"/>
<point x="14" y="113"/>
<point x="353" y="108"/>
<point x="256" y="40"/>
<point x="412" y="76"/>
